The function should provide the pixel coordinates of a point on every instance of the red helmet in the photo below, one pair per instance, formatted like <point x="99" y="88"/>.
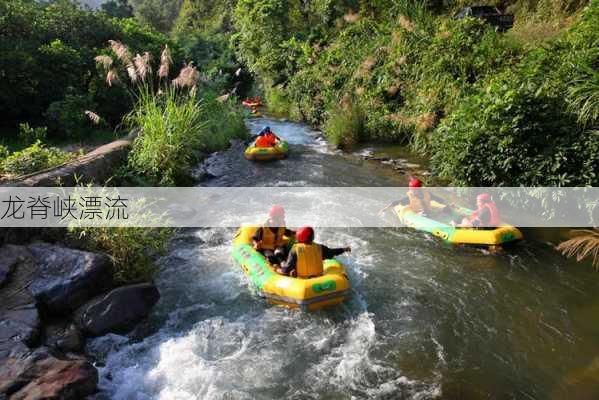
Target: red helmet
<point x="276" y="211"/>
<point x="415" y="183"/>
<point x="483" y="198"/>
<point x="305" y="234"/>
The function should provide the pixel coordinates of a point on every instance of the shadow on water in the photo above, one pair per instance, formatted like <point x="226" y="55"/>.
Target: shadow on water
<point x="425" y="320"/>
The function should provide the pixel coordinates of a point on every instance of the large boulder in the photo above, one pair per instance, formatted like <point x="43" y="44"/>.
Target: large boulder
<point x="67" y="278"/>
<point x="117" y="311"/>
<point x="37" y="374"/>
<point x="7" y="266"/>
<point x="19" y="317"/>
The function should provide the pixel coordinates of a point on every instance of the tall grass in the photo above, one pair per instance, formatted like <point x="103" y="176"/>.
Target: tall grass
<point x="132" y="249"/>
<point x="583" y="95"/>
<point x="174" y="123"/>
<point x="171" y="128"/>
<point x="223" y="121"/>
<point x="345" y="125"/>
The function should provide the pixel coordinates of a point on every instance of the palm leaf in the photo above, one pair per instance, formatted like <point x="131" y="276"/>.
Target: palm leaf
<point x="584" y="244"/>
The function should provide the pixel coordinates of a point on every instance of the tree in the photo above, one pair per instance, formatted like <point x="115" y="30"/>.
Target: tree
<point x="118" y="9"/>
<point x="160" y="14"/>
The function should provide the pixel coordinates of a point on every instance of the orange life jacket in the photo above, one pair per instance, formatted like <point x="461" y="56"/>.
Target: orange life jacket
<point x="271" y="240"/>
<point x="309" y="260"/>
<point x="493" y="212"/>
<point x="420" y="203"/>
<point x="267" y="140"/>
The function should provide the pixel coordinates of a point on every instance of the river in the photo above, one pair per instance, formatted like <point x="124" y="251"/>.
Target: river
<point x="425" y="320"/>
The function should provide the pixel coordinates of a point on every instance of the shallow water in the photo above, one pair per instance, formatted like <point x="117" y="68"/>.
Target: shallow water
<point x="425" y="320"/>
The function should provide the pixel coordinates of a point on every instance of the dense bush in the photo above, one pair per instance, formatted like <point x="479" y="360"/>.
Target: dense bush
<point x="508" y="114"/>
<point x="29" y="135"/>
<point x="171" y="128"/>
<point x="4" y="152"/>
<point x="513" y="133"/>
<point x="131" y="249"/>
<point x="47" y="53"/>
<point x="34" y="158"/>
<point x="68" y="115"/>
<point x="223" y="121"/>
<point x="535" y="124"/>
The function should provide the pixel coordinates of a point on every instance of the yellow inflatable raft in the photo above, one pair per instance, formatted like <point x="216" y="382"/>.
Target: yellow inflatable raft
<point x="276" y="152"/>
<point x="308" y="294"/>
<point x="439" y="225"/>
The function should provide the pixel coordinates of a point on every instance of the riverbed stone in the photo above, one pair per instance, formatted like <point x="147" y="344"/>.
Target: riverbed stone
<point x="18" y="324"/>
<point x="67" y="278"/>
<point x="63" y="336"/>
<point x="117" y="311"/>
<point x="38" y="374"/>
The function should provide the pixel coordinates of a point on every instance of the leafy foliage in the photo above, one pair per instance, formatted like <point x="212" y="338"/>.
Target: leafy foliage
<point x="68" y="115"/>
<point x="29" y="135"/>
<point x="34" y="158"/>
<point x="489" y="110"/>
<point x="4" y="152"/>
<point x="117" y="8"/>
<point x="159" y="14"/>
<point x="47" y="54"/>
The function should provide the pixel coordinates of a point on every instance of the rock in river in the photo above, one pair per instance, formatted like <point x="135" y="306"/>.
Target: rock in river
<point x="67" y="278"/>
<point x="118" y="310"/>
<point x="37" y="374"/>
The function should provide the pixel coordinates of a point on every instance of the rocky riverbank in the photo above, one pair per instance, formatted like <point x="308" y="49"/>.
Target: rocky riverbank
<point x="51" y="299"/>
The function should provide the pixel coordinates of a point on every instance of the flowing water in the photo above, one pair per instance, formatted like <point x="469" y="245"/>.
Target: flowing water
<point x="425" y="321"/>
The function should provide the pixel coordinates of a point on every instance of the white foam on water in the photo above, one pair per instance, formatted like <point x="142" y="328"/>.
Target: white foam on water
<point x="217" y="345"/>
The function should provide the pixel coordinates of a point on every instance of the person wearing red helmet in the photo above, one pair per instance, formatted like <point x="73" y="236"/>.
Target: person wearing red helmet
<point x="305" y="258"/>
<point x="418" y="198"/>
<point x="486" y="214"/>
<point x="271" y="238"/>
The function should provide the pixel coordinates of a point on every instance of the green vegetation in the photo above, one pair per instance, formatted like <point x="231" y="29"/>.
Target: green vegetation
<point x="132" y="250"/>
<point x="171" y="128"/>
<point x="488" y="108"/>
<point x="33" y="158"/>
<point x="70" y="72"/>
<point x="174" y="125"/>
<point x="48" y="69"/>
<point x="29" y="135"/>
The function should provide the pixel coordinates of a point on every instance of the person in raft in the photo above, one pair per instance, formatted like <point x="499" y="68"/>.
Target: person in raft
<point x="269" y="238"/>
<point x="418" y="199"/>
<point x="486" y="214"/>
<point x="305" y="258"/>
<point x="266" y="138"/>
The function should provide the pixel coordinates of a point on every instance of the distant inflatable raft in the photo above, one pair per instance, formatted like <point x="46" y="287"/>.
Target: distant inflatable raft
<point x="276" y="152"/>
<point x="331" y="288"/>
<point x="440" y="227"/>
